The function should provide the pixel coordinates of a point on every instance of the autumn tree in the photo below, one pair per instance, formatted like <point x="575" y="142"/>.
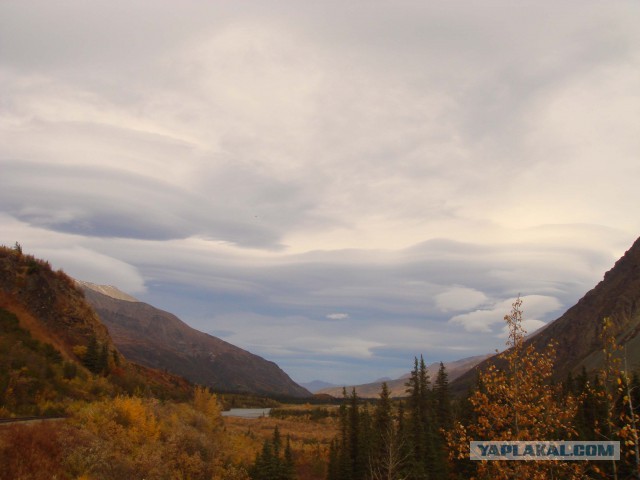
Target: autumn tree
<point x="618" y="419"/>
<point x="517" y="401"/>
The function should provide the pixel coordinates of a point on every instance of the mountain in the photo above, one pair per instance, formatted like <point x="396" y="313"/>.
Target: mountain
<point x="316" y="385"/>
<point x="159" y="339"/>
<point x="397" y="387"/>
<point x="108" y="290"/>
<point x="578" y="330"/>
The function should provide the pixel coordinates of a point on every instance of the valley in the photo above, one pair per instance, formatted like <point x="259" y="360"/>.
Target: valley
<point x="124" y="376"/>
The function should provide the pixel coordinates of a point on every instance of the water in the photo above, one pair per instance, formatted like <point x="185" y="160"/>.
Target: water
<point x="247" y="412"/>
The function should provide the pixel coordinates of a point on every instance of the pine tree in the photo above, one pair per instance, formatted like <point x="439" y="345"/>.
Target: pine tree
<point x="443" y="421"/>
<point x="270" y="464"/>
<point x="388" y="456"/>
<point x="276" y="441"/>
<point x="102" y="364"/>
<point x="444" y="414"/>
<point x="333" y="467"/>
<point x="355" y="453"/>
<point x="264" y="466"/>
<point x="415" y="429"/>
<point x="421" y="431"/>
<point x="405" y="447"/>
<point x="288" y="467"/>
<point x="365" y="438"/>
<point x="382" y="421"/>
<point x="91" y="357"/>
<point x="345" y="464"/>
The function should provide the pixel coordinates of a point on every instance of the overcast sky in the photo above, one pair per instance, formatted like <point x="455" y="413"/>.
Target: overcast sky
<point x="335" y="186"/>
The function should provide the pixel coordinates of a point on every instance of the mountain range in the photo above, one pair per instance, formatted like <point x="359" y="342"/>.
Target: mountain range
<point x="397" y="387"/>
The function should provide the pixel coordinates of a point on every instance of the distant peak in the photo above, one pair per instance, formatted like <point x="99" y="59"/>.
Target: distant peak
<point x="108" y="290"/>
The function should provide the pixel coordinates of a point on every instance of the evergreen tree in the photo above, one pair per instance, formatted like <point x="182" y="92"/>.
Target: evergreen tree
<point x="421" y="429"/>
<point x="443" y="421"/>
<point x="415" y="428"/>
<point x="355" y="453"/>
<point x="102" y="364"/>
<point x="388" y="455"/>
<point x="405" y="448"/>
<point x="264" y="467"/>
<point x="365" y="439"/>
<point x="382" y="422"/>
<point x="270" y="464"/>
<point x="345" y="464"/>
<point x="442" y="395"/>
<point x="276" y="441"/>
<point x="91" y="360"/>
<point x="333" y="467"/>
<point x="288" y="467"/>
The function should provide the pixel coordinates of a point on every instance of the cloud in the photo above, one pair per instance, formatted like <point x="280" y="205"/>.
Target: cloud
<point x="337" y="316"/>
<point x="88" y="265"/>
<point x="459" y="298"/>
<point x="414" y="166"/>
<point x="484" y="319"/>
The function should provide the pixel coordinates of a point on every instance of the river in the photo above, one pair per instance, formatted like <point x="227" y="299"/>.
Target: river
<point x="247" y="412"/>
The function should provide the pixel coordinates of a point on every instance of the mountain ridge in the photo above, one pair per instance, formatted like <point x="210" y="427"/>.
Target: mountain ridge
<point x="108" y="290"/>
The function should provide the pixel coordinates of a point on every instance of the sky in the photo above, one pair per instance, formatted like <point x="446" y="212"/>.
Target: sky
<point x="335" y="186"/>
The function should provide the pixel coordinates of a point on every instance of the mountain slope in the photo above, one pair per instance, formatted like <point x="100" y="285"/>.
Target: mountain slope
<point x="397" y="387"/>
<point x="53" y="347"/>
<point x="48" y="304"/>
<point x="578" y="330"/>
<point x="158" y="339"/>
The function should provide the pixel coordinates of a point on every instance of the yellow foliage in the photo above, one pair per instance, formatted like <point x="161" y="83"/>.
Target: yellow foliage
<point x="207" y="403"/>
<point x="80" y="351"/>
<point x="137" y="416"/>
<point x="518" y="402"/>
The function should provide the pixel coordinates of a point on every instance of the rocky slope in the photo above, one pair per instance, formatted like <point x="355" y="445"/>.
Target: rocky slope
<point x="158" y="339"/>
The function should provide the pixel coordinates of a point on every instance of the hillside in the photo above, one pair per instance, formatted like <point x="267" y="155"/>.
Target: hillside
<point x="158" y="339"/>
<point x="397" y="387"/>
<point x="53" y="347"/>
<point x="48" y="304"/>
<point x="578" y="330"/>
